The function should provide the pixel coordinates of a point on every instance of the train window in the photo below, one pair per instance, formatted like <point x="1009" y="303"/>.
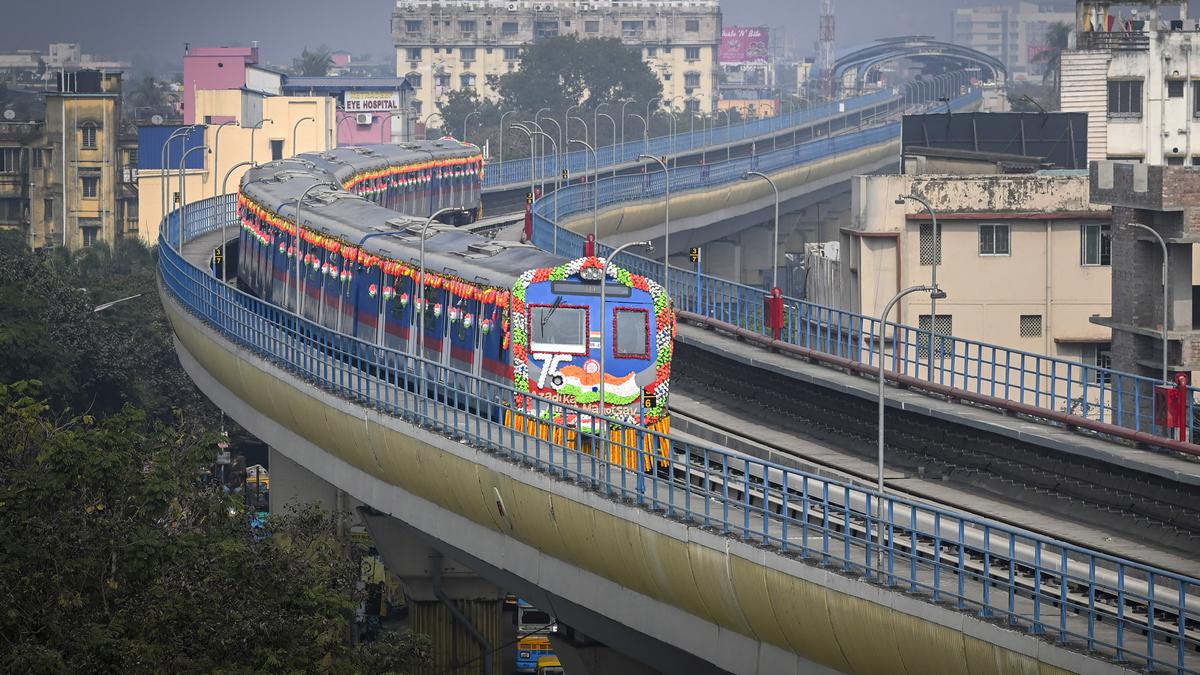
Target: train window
<point x="558" y="329"/>
<point x="631" y="337"/>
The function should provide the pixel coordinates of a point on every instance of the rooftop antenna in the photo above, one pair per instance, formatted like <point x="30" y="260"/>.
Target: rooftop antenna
<point x="825" y="40"/>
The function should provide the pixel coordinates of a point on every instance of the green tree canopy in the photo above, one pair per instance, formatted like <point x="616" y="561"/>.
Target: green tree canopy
<point x="1057" y="36"/>
<point x="316" y="62"/>
<point x="563" y="71"/>
<point x="115" y="557"/>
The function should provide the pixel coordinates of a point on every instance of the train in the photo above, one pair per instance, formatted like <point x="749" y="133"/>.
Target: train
<point x="503" y="311"/>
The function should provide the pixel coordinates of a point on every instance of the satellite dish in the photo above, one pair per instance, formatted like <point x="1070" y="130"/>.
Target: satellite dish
<point x="156" y="119"/>
<point x="9" y="114"/>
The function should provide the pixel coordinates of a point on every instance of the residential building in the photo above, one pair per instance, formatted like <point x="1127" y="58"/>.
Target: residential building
<point x="27" y="65"/>
<point x="468" y="44"/>
<point x="1135" y="72"/>
<point x="1014" y="32"/>
<point x="241" y="114"/>
<point x="369" y="109"/>
<point x="66" y="178"/>
<point x="1167" y="200"/>
<point x="1024" y="258"/>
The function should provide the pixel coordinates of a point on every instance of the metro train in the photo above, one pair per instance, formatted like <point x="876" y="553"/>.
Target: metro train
<point x="502" y="311"/>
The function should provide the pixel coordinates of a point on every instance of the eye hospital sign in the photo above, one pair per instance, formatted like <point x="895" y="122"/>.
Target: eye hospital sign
<point x="370" y="101"/>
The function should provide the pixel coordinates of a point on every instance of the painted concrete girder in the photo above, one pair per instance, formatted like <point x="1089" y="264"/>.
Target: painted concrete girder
<point x="726" y="603"/>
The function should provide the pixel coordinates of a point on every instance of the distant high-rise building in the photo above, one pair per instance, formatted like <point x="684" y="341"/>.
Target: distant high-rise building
<point x="468" y="44"/>
<point x="1015" y="32"/>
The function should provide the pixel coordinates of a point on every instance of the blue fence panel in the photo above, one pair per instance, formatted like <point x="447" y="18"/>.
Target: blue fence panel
<point x="1112" y="607"/>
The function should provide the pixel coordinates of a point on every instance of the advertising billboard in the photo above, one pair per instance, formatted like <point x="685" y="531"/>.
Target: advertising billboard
<point x="370" y="101"/>
<point x="744" y="44"/>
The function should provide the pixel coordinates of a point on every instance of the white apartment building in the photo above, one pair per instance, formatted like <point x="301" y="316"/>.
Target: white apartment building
<point x="1014" y="33"/>
<point x="1136" y="71"/>
<point x="448" y="45"/>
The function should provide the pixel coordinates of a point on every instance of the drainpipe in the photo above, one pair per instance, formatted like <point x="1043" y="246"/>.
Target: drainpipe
<point x="436" y="580"/>
<point x="1046" y="329"/>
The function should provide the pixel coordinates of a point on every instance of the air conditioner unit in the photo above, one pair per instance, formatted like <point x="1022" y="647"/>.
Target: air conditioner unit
<point x="364" y="118"/>
<point x="512" y="7"/>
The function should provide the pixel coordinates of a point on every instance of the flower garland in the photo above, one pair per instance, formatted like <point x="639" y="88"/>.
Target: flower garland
<point x="663" y="313"/>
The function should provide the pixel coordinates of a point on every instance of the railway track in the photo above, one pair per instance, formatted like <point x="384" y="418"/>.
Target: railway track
<point x="1147" y="508"/>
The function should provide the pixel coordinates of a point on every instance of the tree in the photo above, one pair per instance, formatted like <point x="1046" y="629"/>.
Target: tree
<point x="313" y="63"/>
<point x="1057" y="36"/>
<point x="115" y="557"/>
<point x="147" y="94"/>
<point x="563" y="71"/>
<point x="454" y="111"/>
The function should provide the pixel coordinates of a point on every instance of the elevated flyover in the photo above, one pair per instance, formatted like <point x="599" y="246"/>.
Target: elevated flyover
<point x="722" y="562"/>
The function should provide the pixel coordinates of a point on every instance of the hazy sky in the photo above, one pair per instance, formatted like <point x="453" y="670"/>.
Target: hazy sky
<point x="152" y="32"/>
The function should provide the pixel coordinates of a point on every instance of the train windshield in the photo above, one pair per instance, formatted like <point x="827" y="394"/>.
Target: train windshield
<point x="633" y="333"/>
<point x="554" y="328"/>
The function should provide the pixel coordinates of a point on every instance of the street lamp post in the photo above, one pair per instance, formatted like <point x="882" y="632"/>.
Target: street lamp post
<point x="556" y="184"/>
<point x="775" y="249"/>
<point x="645" y="132"/>
<point x="255" y="128"/>
<point x="421" y="279"/>
<point x="541" y="161"/>
<point x="603" y="426"/>
<point x="183" y="193"/>
<point x="595" y="190"/>
<point x="727" y="140"/>
<point x="656" y="99"/>
<point x="528" y="133"/>
<point x="299" y="205"/>
<point x="612" y="155"/>
<point x="105" y="305"/>
<point x="1165" y="307"/>
<point x="425" y="124"/>
<point x="295" y="127"/>
<point x="467" y="122"/>
<point x="567" y="126"/>
<point x="666" y="223"/>
<point x="937" y="256"/>
<point x="503" y="116"/>
<point x="217" y="151"/>
<point x="623" y="104"/>
<point x="881" y="338"/>
<point x="224" y="221"/>
<point x="165" y="166"/>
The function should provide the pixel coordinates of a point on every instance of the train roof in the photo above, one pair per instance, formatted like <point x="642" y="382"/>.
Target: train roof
<point x="338" y="213"/>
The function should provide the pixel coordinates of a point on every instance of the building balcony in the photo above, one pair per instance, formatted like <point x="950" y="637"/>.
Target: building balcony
<point x="1117" y="41"/>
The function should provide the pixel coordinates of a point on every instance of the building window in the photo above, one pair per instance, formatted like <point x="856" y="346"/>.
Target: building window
<point x="47" y="208"/>
<point x="468" y="53"/>
<point x="35" y="156"/>
<point x="1196" y="98"/>
<point x="509" y="28"/>
<point x="692" y="25"/>
<point x="90" y="235"/>
<point x="414" y="53"/>
<point x="416" y="106"/>
<point x="89" y="136"/>
<point x="1098" y="354"/>
<point x="512" y="53"/>
<point x="411" y="26"/>
<point x="442" y="80"/>
<point x="1031" y="325"/>
<point x="1175" y="88"/>
<point x="691" y="79"/>
<point x="631" y="29"/>
<point x="468" y="80"/>
<point x="692" y="105"/>
<point x="466" y="27"/>
<point x="10" y="160"/>
<point x="927" y="247"/>
<point x="131" y="156"/>
<point x="276" y="148"/>
<point x="91" y="186"/>
<point x="414" y="80"/>
<point x="591" y="26"/>
<point x="1096" y="244"/>
<point x="691" y="53"/>
<point x="944" y="325"/>
<point x="994" y="240"/>
<point x="651" y="52"/>
<point x="545" y="29"/>
<point x="1125" y="98"/>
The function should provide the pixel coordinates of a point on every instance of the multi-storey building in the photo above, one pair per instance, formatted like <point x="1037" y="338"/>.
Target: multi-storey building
<point x="30" y="65"/>
<point x="1015" y="33"/>
<point x="1136" y="72"/>
<point x="67" y="179"/>
<point x="444" y="46"/>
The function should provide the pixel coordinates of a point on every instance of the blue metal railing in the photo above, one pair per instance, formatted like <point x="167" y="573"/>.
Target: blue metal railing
<point x="1081" y="598"/>
<point x="517" y="171"/>
<point x="1049" y="383"/>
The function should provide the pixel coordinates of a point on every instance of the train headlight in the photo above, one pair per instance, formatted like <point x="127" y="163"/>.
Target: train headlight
<point x="591" y="273"/>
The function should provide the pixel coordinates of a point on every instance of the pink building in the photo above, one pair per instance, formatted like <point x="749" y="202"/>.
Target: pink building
<point x="223" y="68"/>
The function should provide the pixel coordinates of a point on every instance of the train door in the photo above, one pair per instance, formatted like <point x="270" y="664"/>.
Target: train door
<point x="399" y="314"/>
<point x="493" y="358"/>
<point x="463" y="327"/>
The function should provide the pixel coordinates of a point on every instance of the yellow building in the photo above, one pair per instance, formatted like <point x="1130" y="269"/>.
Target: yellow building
<point x="66" y="180"/>
<point x="240" y="126"/>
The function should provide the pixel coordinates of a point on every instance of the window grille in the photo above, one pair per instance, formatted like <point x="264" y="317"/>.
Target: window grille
<point x="927" y="247"/>
<point x="1031" y="325"/>
<point x="944" y="325"/>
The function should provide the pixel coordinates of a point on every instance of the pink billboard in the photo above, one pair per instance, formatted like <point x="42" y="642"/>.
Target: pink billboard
<point x="744" y="44"/>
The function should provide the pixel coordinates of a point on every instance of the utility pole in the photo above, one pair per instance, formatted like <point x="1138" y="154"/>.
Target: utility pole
<point x="825" y="40"/>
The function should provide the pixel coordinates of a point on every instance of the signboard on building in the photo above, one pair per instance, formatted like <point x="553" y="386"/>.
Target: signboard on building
<point x="744" y="44"/>
<point x="370" y="101"/>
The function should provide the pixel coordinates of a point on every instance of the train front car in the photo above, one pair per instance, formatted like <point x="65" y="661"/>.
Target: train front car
<point x="560" y="330"/>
